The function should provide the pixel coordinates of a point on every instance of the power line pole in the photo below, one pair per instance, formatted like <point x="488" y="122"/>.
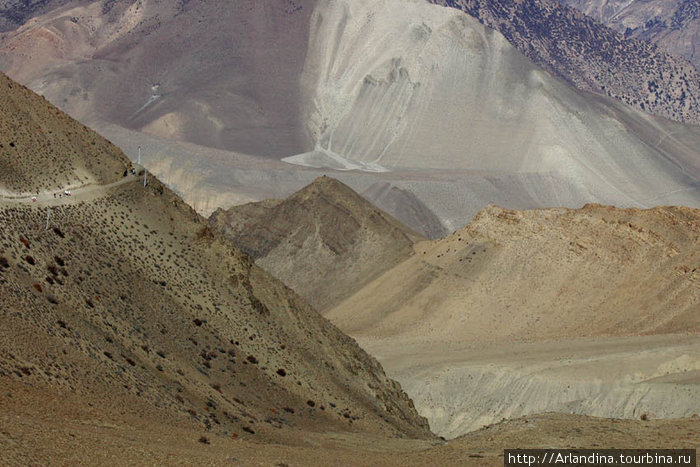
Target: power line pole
<point x="139" y="155"/>
<point x="145" y="172"/>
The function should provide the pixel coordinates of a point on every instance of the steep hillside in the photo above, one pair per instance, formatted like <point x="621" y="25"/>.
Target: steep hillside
<point x="129" y="301"/>
<point x="151" y="66"/>
<point x="541" y="274"/>
<point x="592" y="57"/>
<point x="42" y="149"/>
<point x="672" y="24"/>
<point x="324" y="241"/>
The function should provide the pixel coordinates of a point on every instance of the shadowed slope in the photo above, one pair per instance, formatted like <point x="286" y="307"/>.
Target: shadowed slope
<point x="324" y="241"/>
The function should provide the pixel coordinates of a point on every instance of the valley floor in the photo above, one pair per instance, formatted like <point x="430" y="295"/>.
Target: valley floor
<point x="463" y="389"/>
<point x="41" y="427"/>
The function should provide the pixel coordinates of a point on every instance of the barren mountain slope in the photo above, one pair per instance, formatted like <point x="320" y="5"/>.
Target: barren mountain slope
<point x="401" y="85"/>
<point x="593" y="57"/>
<point x="672" y="24"/>
<point x="82" y="436"/>
<point x="130" y="301"/>
<point x="324" y="241"/>
<point x="593" y="311"/>
<point x="541" y="274"/>
<point x="41" y="148"/>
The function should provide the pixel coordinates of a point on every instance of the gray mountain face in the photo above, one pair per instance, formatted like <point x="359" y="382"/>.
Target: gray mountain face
<point x="593" y="57"/>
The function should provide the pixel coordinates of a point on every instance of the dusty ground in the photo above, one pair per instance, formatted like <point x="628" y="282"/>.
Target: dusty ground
<point x="39" y="428"/>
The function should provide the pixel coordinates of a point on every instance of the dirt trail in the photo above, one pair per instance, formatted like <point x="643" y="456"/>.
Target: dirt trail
<point x="85" y="192"/>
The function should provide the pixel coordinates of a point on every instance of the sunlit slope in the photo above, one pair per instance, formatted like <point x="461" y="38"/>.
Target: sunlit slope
<point x="393" y="85"/>
<point x="532" y="275"/>
<point x="42" y="149"/>
<point x="407" y="84"/>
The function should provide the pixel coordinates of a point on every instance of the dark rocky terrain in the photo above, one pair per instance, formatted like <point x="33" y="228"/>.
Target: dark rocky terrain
<point x="672" y="24"/>
<point x="593" y="57"/>
<point x="324" y="234"/>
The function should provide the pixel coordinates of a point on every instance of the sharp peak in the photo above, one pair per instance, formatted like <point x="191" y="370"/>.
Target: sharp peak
<point x="326" y="184"/>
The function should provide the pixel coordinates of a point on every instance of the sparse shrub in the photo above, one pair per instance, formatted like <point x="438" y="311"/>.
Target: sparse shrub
<point x="108" y="355"/>
<point x="49" y="279"/>
<point x="30" y="260"/>
<point x="4" y="263"/>
<point x="53" y="270"/>
<point x="53" y="300"/>
<point x="197" y="322"/>
<point x="217" y="387"/>
<point x="58" y="232"/>
<point x="248" y="430"/>
<point x="24" y="242"/>
<point x="129" y="360"/>
<point x="311" y="403"/>
<point x="252" y="359"/>
<point x="282" y="372"/>
<point x="59" y="261"/>
<point x="204" y="440"/>
<point x="37" y="287"/>
<point x="62" y="323"/>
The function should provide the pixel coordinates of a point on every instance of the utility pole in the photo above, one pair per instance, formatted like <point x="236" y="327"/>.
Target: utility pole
<point x="145" y="172"/>
<point x="48" y="216"/>
<point x="139" y="155"/>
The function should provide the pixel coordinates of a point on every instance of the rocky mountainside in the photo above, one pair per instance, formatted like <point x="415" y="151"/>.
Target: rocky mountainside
<point x="593" y="311"/>
<point x="593" y="57"/>
<point x="672" y="24"/>
<point x="129" y="301"/>
<point x="324" y="241"/>
<point x="41" y="148"/>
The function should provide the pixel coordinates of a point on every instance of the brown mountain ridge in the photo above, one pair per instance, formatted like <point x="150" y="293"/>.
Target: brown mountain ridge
<point x="324" y="241"/>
